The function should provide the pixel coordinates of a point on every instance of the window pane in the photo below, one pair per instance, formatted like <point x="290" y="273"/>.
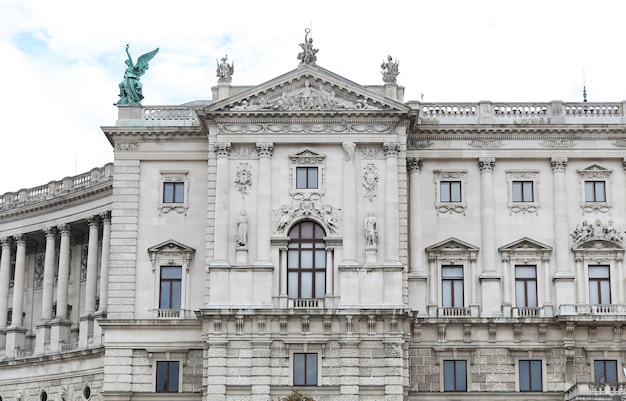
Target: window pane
<point x="298" y="369"/>
<point x="532" y="294"/>
<point x="448" y="376"/>
<point x="525" y="272"/>
<point x="300" y="177"/>
<point x="171" y="272"/>
<point x="520" y="294"/>
<point x="179" y="194"/>
<point x="161" y="379"/>
<point x="306" y="259"/>
<point x="605" y="292"/>
<point x="524" y="375"/>
<point x="292" y="258"/>
<point x="311" y="369"/>
<point x="528" y="191"/>
<point x="461" y="378"/>
<point x="611" y="371"/>
<point x="292" y="285"/>
<point x="312" y="177"/>
<point x="175" y="304"/>
<point x="446" y="289"/>
<point x="168" y="192"/>
<point x="457" y="300"/>
<point x="535" y="376"/>
<point x="452" y="272"/>
<point x="456" y="191"/>
<point x="320" y="259"/>
<point x="173" y="377"/>
<point x="164" y="301"/>
<point x="444" y="191"/>
<point x="600" y="192"/>
<point x="306" y="285"/>
<point x="306" y="230"/>
<point x="517" y="191"/>
<point x="599" y="271"/>
<point x="320" y="284"/>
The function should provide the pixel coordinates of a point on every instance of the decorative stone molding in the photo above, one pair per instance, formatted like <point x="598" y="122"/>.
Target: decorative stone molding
<point x="349" y="148"/>
<point x="307" y="156"/>
<point x="127" y="146"/>
<point x="370" y="181"/>
<point x="486" y="164"/>
<point x="558" y="164"/>
<point x="595" y="172"/>
<point x="243" y="152"/>
<point x="486" y="143"/>
<point x="338" y="127"/>
<point x="416" y="142"/>
<point x="597" y="231"/>
<point x="391" y="149"/>
<point x="174" y="176"/>
<point x="558" y="143"/>
<point x="450" y="175"/>
<point x="370" y="152"/>
<point x="265" y="149"/>
<point x="414" y="164"/>
<point x="222" y="149"/>
<point x="243" y="179"/>
<point x="307" y="204"/>
<point x="523" y="175"/>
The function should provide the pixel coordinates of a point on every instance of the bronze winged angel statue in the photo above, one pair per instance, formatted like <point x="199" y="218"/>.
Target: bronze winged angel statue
<point x="130" y="87"/>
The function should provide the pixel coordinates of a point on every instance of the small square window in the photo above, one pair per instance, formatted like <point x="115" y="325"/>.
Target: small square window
<point x="167" y="377"/>
<point x="450" y="191"/>
<point x="454" y="375"/>
<point x="530" y="376"/>
<point x="523" y="191"/>
<point x="605" y="371"/>
<point x="595" y="191"/>
<point x="306" y="177"/>
<point x="173" y="192"/>
<point x="305" y="369"/>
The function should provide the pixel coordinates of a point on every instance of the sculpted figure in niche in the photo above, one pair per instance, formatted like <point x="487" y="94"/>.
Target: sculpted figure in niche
<point x="130" y="87"/>
<point x="224" y="70"/>
<point x="242" y="228"/>
<point x="371" y="233"/>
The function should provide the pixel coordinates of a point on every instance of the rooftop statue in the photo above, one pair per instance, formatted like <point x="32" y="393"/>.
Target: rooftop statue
<point x="390" y="70"/>
<point x="130" y="87"/>
<point x="308" y="55"/>
<point x="224" y="70"/>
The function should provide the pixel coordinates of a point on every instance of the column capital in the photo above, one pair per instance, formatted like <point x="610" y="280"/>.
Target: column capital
<point x="486" y="164"/>
<point x="93" y="221"/>
<point x="558" y="163"/>
<point x="265" y="149"/>
<point x="414" y="164"/>
<point x="20" y="239"/>
<point x="391" y="149"/>
<point x="50" y="232"/>
<point x="64" y="229"/>
<point x="222" y="149"/>
<point x="106" y="217"/>
<point x="6" y="242"/>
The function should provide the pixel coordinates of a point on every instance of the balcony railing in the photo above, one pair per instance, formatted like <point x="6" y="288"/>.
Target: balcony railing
<point x="527" y="312"/>
<point x="173" y="314"/>
<point x="455" y="312"/>
<point x="306" y="303"/>
<point x="69" y="347"/>
<point x="57" y="188"/>
<point x="594" y="310"/>
<point x="24" y="353"/>
<point x="599" y="391"/>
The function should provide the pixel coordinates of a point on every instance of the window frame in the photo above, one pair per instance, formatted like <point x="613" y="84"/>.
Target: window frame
<point x="598" y="284"/>
<point x="521" y="176"/>
<point x="443" y="176"/>
<point x="173" y="177"/>
<point x="445" y="378"/>
<point x="171" y="281"/>
<point x="178" y="189"/>
<point x="305" y="374"/>
<point x="317" y="249"/>
<point x="453" y="286"/>
<point x="525" y="281"/>
<point x="537" y="363"/>
<point x="308" y="175"/>
<point x="309" y="159"/>
<point x="595" y="173"/>
<point x="604" y="363"/>
<point x="178" y="375"/>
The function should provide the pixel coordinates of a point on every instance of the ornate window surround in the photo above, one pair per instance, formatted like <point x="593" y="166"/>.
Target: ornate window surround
<point x="451" y="175"/>
<point x="595" y="172"/>
<point x="307" y="157"/>
<point x="523" y="175"/>
<point x="174" y="176"/>
<point x="171" y="253"/>
<point x="157" y="355"/>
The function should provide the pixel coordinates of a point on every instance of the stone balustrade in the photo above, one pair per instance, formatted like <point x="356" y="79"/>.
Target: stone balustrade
<point x="57" y="188"/>
<point x="590" y="312"/>
<point x="594" y="391"/>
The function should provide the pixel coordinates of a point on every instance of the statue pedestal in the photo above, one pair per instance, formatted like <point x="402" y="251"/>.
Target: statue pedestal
<point x="370" y="256"/>
<point x="242" y="255"/>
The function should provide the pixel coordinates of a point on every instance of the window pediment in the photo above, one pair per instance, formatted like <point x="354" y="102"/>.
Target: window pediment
<point x="171" y="252"/>
<point x="307" y="156"/>
<point x="450" y="248"/>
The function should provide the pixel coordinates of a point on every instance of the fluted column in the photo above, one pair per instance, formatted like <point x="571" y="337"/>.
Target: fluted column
<point x="490" y="276"/>
<point x="5" y="277"/>
<point x="433" y="280"/>
<point x="43" y="327"/>
<point x="91" y="283"/>
<point x="264" y="205"/>
<point x="564" y="277"/>
<point x="16" y="334"/>
<point x="60" y="326"/>
<point x="414" y="166"/>
<point x="349" y="221"/>
<point x="104" y="260"/>
<point x="220" y="240"/>
<point x="392" y="218"/>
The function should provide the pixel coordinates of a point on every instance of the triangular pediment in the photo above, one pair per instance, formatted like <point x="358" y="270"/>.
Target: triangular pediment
<point x="310" y="89"/>
<point x="307" y="155"/>
<point x="451" y="245"/>
<point x="525" y="245"/>
<point x="170" y="246"/>
<point x="594" y="169"/>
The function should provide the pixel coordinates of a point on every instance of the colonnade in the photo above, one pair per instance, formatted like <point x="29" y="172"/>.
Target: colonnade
<point x="52" y="328"/>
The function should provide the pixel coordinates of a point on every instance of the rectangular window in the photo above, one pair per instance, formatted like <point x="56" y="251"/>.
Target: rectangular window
<point x="450" y="191"/>
<point x="523" y="191"/>
<point x="305" y="369"/>
<point x="173" y="192"/>
<point x="170" y="291"/>
<point x="530" y="378"/>
<point x="306" y="177"/>
<point x="605" y="371"/>
<point x="599" y="285"/>
<point x="454" y="375"/>
<point x="526" y="286"/>
<point x="452" y="286"/>
<point x="595" y="191"/>
<point x="167" y="377"/>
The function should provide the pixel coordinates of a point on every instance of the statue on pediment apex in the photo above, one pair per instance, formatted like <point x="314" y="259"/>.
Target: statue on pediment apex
<point x="308" y="55"/>
<point x="390" y="70"/>
<point x="225" y="71"/>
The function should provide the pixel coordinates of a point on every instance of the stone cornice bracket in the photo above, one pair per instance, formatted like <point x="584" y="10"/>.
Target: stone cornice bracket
<point x="391" y="149"/>
<point x="414" y="164"/>
<point x="558" y="163"/>
<point x="222" y="149"/>
<point x="486" y="164"/>
<point x="350" y="148"/>
<point x="264" y="149"/>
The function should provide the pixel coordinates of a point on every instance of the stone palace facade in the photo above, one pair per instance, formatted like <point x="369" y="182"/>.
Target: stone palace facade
<point x="315" y="234"/>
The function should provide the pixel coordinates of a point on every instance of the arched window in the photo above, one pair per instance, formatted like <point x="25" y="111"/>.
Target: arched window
<point x="306" y="262"/>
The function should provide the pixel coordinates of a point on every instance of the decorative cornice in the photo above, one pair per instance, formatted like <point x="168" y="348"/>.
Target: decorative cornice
<point x="301" y="127"/>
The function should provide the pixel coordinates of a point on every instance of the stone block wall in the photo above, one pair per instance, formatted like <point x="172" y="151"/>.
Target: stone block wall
<point x="72" y="386"/>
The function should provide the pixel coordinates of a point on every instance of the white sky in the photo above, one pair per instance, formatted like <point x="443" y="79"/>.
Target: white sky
<point x="62" y="60"/>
